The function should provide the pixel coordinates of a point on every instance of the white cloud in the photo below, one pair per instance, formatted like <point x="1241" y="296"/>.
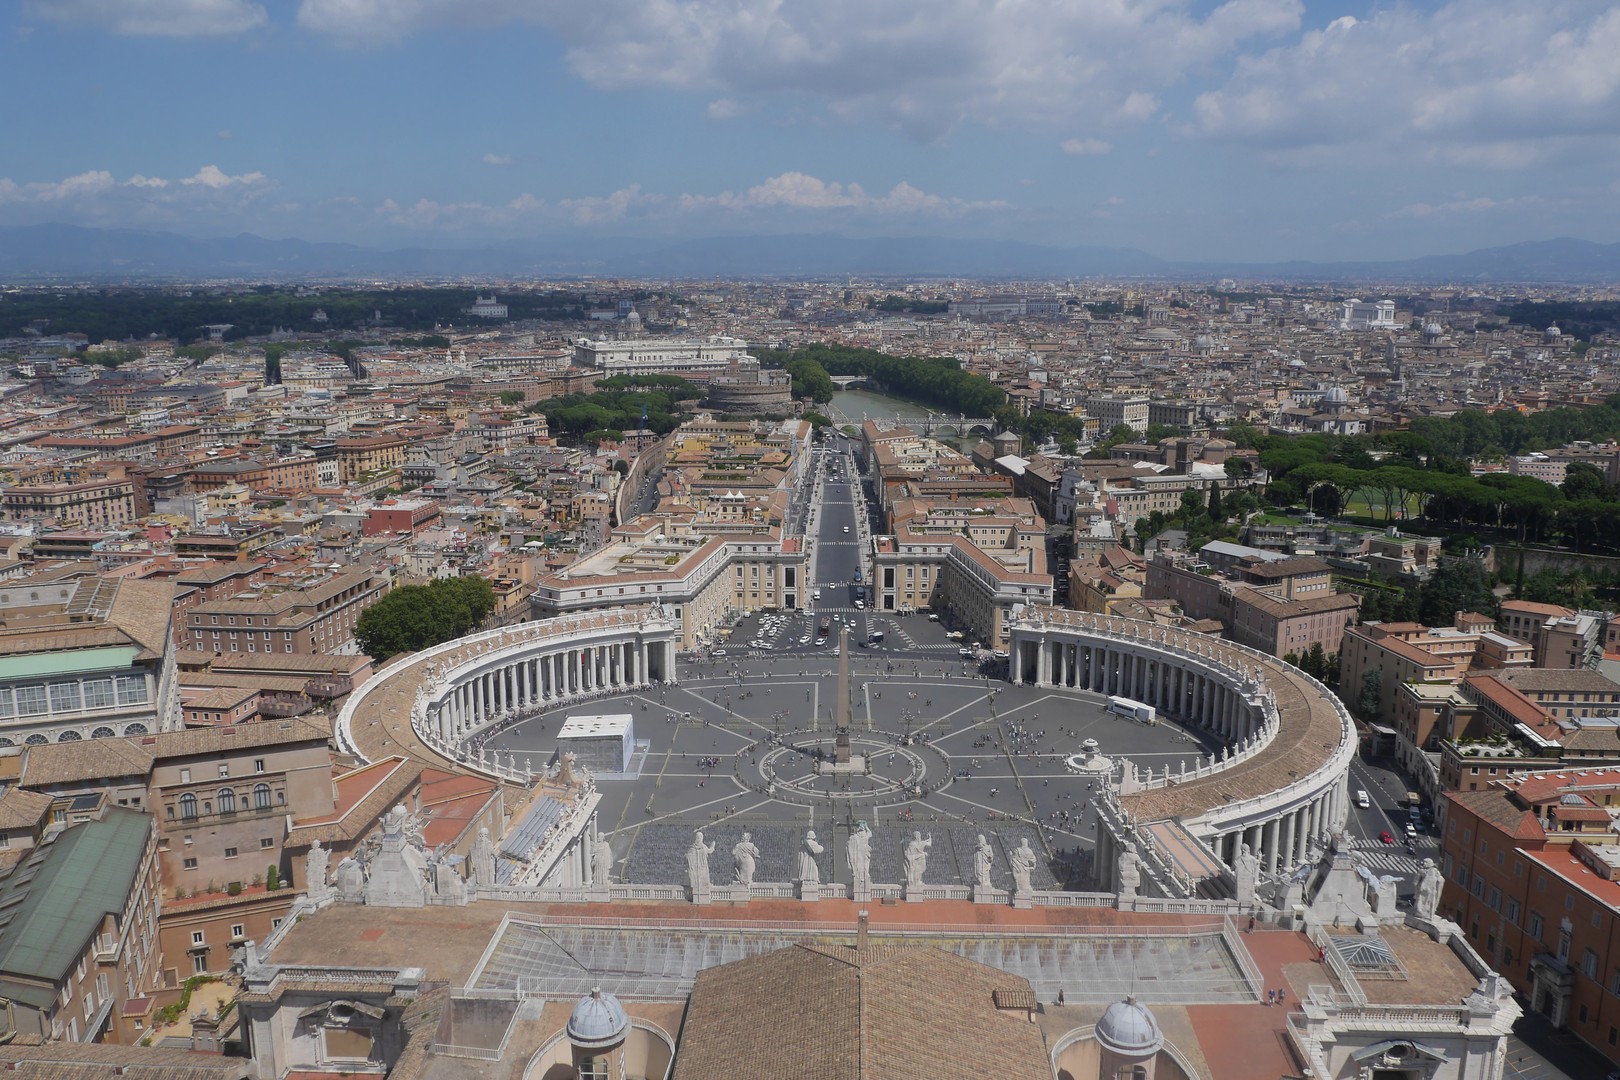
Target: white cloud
<point x="923" y="68"/>
<point x="1477" y="205"/>
<point x="1086" y="147"/>
<point x="154" y="18"/>
<point x="1495" y="83"/>
<point x="725" y="109"/>
<point x="497" y="159"/>
<point x="792" y="195"/>
<point x="210" y="196"/>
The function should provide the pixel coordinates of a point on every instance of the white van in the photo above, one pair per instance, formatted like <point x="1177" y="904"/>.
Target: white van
<point x="815" y="594"/>
<point x="1362" y="799"/>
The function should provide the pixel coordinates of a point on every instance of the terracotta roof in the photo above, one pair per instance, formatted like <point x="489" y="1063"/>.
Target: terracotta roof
<point x="831" y="1012"/>
<point x="385" y="784"/>
<point x="105" y="1061"/>
<point x="1496" y="806"/>
<point x="23" y="809"/>
<point x="103" y="759"/>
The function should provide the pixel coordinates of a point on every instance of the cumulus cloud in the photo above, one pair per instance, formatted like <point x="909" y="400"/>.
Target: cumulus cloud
<point x="154" y="18"/>
<point x="1085" y="147"/>
<point x="208" y="196"/>
<point x="923" y="68"/>
<point x="1477" y="82"/>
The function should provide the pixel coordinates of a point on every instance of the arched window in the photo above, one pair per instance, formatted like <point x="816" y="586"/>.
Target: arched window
<point x="227" y="801"/>
<point x="69" y="736"/>
<point x="103" y="733"/>
<point x="134" y="729"/>
<point x="36" y="739"/>
<point x="188" y="806"/>
<point x="261" y="796"/>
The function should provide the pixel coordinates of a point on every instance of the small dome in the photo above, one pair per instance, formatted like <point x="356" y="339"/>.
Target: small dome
<point x="1335" y="396"/>
<point x="1128" y="1028"/>
<point x="598" y="1021"/>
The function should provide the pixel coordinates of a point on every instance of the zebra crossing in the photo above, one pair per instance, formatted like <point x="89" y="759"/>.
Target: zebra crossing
<point x="1387" y="859"/>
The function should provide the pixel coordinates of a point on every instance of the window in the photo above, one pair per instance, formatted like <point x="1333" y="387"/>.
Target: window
<point x="188" y="864"/>
<point x="65" y="697"/>
<point x="224" y="769"/>
<point x="1512" y="910"/>
<point x="197" y="937"/>
<point x="1535" y="926"/>
<point x="227" y="801"/>
<point x="230" y="853"/>
<point x="131" y="690"/>
<point x="185" y="776"/>
<point x="199" y="963"/>
<point x="188" y="806"/>
<point x="1589" y="964"/>
<point x="275" y="924"/>
<point x="267" y="842"/>
<point x="258" y="765"/>
<point x="593" y="1069"/>
<point x="261" y="796"/>
<point x="98" y="693"/>
<point x="236" y="930"/>
<point x="30" y="700"/>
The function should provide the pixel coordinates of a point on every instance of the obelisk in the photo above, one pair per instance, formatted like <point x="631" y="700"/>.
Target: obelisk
<point x="841" y="719"/>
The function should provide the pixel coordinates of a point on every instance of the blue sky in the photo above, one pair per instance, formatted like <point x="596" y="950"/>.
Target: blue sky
<point x="1246" y="129"/>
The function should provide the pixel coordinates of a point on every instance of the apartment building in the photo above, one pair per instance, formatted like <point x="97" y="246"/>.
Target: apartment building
<point x="1274" y="603"/>
<point x="1560" y="636"/>
<point x="291" y="474"/>
<point x="91" y="497"/>
<point x="686" y="357"/>
<point x="1111" y="410"/>
<point x="1532" y="869"/>
<point x="85" y="658"/>
<point x="368" y="456"/>
<point x="315" y="617"/>
<point x="1409" y="652"/>
<point x="700" y="579"/>
<point x="79" y="944"/>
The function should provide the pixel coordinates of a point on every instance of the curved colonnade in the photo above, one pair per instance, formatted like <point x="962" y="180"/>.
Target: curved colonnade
<point x="474" y="685"/>
<point x="1282" y="782"/>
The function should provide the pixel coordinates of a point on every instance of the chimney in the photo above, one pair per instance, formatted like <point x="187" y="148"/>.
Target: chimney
<point x="860" y="931"/>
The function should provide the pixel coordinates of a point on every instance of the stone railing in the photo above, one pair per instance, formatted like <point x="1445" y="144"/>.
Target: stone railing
<point x="462" y="656"/>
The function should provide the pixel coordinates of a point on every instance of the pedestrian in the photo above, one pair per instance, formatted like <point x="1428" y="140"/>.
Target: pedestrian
<point x="1271" y="998"/>
<point x="1060" y="995"/>
<point x="1251" y="924"/>
<point x="1282" y="994"/>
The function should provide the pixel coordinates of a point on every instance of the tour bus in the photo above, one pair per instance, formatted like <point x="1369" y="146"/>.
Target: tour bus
<point x="1135" y="710"/>
<point x="875" y="636"/>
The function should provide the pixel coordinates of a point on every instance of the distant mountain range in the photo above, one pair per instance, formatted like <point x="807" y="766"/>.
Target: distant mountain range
<point x="70" y="252"/>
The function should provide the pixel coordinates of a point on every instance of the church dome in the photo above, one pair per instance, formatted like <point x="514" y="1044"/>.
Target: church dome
<point x="1128" y="1029"/>
<point x="598" y="1021"/>
<point x="1335" y="396"/>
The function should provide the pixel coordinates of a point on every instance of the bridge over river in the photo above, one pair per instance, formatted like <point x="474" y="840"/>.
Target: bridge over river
<point x="923" y="421"/>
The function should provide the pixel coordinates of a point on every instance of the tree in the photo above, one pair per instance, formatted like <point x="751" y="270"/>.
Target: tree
<point x="1583" y="480"/>
<point x="511" y="397"/>
<point x="1456" y="585"/>
<point x="419" y="616"/>
<point x="1215" y="512"/>
<point x="1369" y="701"/>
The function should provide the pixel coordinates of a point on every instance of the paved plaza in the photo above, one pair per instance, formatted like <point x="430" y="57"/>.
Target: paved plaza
<point x="738" y="745"/>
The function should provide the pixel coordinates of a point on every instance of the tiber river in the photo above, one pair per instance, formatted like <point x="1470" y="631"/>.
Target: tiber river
<point x="856" y="404"/>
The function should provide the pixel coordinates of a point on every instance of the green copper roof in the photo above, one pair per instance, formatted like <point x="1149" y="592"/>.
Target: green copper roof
<point x="34" y="665"/>
<point x="53" y="903"/>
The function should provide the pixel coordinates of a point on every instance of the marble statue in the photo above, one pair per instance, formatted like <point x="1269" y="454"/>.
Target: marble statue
<point x="1023" y="865"/>
<point x="483" y="859"/>
<point x="809" y="872"/>
<point x="743" y="858"/>
<point x="315" y="871"/>
<point x="1246" y="869"/>
<point x="1429" y="884"/>
<point x="984" y="858"/>
<point x="1130" y="872"/>
<point x="601" y="861"/>
<point x="697" y="862"/>
<point x="859" y="855"/>
<point x="916" y="859"/>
